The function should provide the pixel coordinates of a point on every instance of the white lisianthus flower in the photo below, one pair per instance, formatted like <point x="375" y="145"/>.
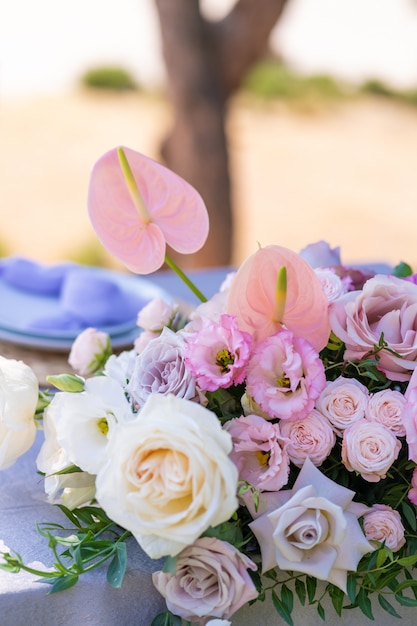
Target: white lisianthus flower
<point x="89" y="352"/>
<point x="312" y="528"/>
<point x="120" y="366"/>
<point x="168" y="476"/>
<point x="83" y="421"/>
<point x="76" y="487"/>
<point x="19" y="392"/>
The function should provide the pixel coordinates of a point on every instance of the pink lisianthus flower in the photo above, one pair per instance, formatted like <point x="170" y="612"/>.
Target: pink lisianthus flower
<point x="409" y="417"/>
<point x="259" y="452"/>
<point x="217" y="354"/>
<point x="285" y="376"/>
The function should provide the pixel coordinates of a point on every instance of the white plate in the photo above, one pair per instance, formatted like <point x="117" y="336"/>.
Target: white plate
<point x="18" y="308"/>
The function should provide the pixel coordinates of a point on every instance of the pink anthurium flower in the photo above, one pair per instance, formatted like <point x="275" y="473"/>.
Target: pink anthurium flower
<point x="266" y="298"/>
<point x="137" y="206"/>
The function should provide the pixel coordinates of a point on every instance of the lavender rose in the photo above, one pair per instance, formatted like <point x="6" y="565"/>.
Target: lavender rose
<point x="386" y="306"/>
<point x="210" y="579"/>
<point x="370" y="449"/>
<point x="311" y="437"/>
<point x="161" y="369"/>
<point x="384" y="524"/>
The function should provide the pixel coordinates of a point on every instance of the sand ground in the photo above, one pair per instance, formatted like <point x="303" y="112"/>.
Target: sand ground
<point x="345" y="173"/>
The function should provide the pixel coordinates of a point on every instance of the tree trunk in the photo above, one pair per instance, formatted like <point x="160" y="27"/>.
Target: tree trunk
<point x="206" y="62"/>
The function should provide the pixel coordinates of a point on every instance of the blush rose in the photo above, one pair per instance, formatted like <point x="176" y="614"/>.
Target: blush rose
<point x="343" y="401"/>
<point x="311" y="437"/>
<point x="210" y="579"/>
<point x="384" y="524"/>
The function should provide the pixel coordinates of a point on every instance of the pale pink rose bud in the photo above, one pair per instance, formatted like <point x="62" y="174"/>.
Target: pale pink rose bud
<point x="142" y="341"/>
<point x="384" y="524"/>
<point x="89" y="352"/>
<point x="343" y="402"/>
<point x="386" y="407"/>
<point x="332" y="285"/>
<point x="311" y="437"/>
<point x="156" y="314"/>
<point x="370" y="449"/>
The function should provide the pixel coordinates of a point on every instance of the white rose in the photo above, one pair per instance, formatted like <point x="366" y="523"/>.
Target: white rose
<point x="83" y="421"/>
<point x="168" y="476"/>
<point x="19" y="392"/>
<point x="343" y="401"/>
<point x="89" y="351"/>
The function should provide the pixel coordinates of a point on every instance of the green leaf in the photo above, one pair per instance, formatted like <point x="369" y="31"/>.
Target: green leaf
<point x="351" y="588"/>
<point x="170" y="565"/>
<point x="402" y="269"/>
<point x="321" y="612"/>
<point x="337" y="597"/>
<point x="282" y="609"/>
<point x="67" y="382"/>
<point x="63" y="582"/>
<point x="409" y="515"/>
<point x="117" y="568"/>
<point x="287" y="597"/>
<point x="166" y="619"/>
<point x="311" y="588"/>
<point x="405" y="601"/>
<point x="387" y="606"/>
<point x="406" y="561"/>
<point x="364" y="603"/>
<point x="300" y="590"/>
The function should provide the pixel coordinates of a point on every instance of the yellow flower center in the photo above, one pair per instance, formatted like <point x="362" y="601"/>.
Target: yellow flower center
<point x="103" y="425"/>
<point x="224" y="358"/>
<point x="263" y="457"/>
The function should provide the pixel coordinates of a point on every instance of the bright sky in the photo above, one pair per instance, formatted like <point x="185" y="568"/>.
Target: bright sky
<point x="46" y="44"/>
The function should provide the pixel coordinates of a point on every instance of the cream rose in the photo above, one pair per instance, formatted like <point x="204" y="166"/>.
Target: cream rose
<point x="168" y="476"/>
<point x="384" y="524"/>
<point x="386" y="306"/>
<point x="343" y="401"/>
<point x="386" y="407"/>
<point x="370" y="449"/>
<point x="210" y="579"/>
<point x="19" y="392"/>
<point x="312" y="528"/>
<point x="311" y="437"/>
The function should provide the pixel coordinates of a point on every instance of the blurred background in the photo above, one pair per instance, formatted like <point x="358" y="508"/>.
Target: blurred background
<point x="296" y="120"/>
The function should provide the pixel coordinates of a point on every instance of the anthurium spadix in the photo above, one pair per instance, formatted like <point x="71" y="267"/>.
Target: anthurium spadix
<point x="274" y="289"/>
<point x="137" y="206"/>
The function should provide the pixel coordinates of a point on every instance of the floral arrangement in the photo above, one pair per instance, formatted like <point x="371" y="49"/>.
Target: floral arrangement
<point x="259" y="443"/>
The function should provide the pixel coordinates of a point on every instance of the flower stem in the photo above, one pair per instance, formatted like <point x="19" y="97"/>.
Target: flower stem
<point x="185" y="278"/>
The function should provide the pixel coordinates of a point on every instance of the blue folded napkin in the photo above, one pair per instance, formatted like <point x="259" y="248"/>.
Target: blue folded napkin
<point x="79" y="296"/>
<point x="29" y="276"/>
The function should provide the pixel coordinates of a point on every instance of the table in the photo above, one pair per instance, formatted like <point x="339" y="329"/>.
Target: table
<point x="92" y="602"/>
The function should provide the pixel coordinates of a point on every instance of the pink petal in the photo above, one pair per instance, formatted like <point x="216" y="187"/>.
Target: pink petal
<point x="252" y="295"/>
<point x="177" y="212"/>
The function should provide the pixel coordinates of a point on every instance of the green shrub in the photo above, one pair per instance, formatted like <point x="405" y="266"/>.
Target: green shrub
<point x="113" y="78"/>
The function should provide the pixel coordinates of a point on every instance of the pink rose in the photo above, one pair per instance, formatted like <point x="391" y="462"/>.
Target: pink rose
<point x="333" y="286"/>
<point x="386" y="306"/>
<point x="89" y="352"/>
<point x="370" y="449"/>
<point x="343" y="402"/>
<point x="410" y="417"/>
<point x="259" y="452"/>
<point x="210" y="579"/>
<point x="386" y="407"/>
<point x="311" y="437"/>
<point x="285" y="376"/>
<point x="384" y="524"/>
<point x="217" y="354"/>
<point x="412" y="494"/>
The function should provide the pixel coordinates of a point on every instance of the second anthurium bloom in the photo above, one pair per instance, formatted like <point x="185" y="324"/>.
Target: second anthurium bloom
<point x="137" y="206"/>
